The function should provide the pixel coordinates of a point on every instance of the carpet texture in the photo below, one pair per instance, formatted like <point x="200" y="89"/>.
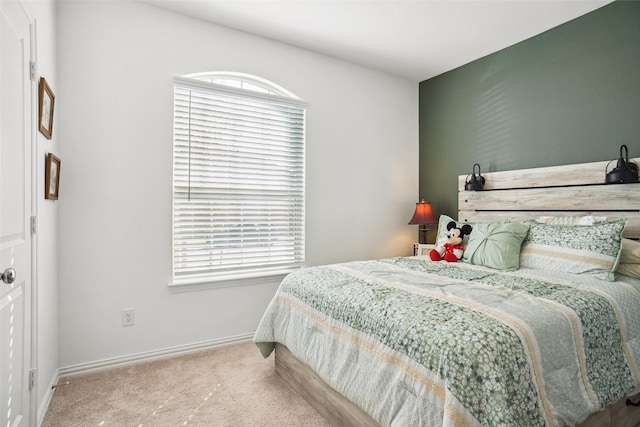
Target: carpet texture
<point x="225" y="386"/>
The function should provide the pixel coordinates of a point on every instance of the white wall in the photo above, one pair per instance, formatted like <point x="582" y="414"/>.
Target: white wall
<point x="42" y="12"/>
<point x="114" y="107"/>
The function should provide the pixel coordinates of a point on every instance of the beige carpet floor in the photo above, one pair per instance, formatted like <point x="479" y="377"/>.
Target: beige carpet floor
<point x="225" y="386"/>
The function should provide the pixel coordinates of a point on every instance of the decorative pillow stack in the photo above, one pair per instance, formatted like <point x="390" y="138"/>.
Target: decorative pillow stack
<point x="580" y="249"/>
<point x="580" y="245"/>
<point x="494" y="244"/>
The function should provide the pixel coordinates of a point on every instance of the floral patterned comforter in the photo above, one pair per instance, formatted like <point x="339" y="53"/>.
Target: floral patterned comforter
<point x="416" y="342"/>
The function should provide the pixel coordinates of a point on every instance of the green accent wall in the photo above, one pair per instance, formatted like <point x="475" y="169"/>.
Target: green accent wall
<point x="568" y="95"/>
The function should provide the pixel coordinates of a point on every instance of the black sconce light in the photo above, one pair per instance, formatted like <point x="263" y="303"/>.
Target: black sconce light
<point x="624" y="172"/>
<point x="474" y="182"/>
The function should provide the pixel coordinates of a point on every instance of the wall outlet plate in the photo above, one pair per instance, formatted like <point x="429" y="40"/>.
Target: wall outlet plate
<point x="128" y="317"/>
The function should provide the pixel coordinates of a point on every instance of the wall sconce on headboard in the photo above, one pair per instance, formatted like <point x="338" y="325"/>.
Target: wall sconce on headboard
<point x="474" y="182"/>
<point x="624" y="172"/>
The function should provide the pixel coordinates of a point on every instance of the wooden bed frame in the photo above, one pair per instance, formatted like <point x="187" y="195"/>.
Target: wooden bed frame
<point x="571" y="190"/>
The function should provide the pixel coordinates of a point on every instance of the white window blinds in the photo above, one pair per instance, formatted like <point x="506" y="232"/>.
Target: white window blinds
<point x="238" y="182"/>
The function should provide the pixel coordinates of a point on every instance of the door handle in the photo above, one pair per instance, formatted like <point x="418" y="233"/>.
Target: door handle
<point x="8" y="276"/>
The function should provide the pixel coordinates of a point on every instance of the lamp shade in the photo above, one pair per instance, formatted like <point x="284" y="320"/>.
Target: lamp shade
<point x="423" y="214"/>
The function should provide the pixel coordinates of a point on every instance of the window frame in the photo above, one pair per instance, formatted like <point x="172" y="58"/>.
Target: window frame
<point x="259" y="89"/>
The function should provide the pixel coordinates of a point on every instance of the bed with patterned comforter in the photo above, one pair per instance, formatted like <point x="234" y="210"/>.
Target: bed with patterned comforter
<point x="414" y="342"/>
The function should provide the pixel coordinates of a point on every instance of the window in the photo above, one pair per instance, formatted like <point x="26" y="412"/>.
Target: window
<point x="238" y="178"/>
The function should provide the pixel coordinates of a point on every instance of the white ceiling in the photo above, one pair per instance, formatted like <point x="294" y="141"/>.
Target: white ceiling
<point x="415" y="39"/>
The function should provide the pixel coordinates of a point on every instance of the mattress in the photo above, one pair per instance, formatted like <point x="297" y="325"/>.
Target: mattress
<point x="416" y="342"/>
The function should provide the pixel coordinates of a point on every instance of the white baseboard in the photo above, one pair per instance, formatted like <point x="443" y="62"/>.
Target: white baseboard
<point x="148" y="356"/>
<point x="46" y="399"/>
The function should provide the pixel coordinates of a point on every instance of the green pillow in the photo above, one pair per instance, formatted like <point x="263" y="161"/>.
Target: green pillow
<point x="496" y="245"/>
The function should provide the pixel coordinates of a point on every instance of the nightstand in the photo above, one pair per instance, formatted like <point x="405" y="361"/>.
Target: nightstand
<point x="422" y="249"/>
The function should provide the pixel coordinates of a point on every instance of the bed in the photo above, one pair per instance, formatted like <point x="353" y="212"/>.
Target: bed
<point x="537" y="325"/>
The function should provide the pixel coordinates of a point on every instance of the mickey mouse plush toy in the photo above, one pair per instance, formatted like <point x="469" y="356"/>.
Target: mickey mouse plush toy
<point x="451" y="249"/>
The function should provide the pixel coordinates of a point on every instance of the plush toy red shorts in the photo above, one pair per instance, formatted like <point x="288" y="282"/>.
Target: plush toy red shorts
<point x="449" y="253"/>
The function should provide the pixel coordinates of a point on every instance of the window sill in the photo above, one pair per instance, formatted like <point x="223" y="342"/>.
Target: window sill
<point x="197" y="284"/>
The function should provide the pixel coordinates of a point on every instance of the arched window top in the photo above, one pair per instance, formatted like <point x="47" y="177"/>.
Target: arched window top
<point x="242" y="81"/>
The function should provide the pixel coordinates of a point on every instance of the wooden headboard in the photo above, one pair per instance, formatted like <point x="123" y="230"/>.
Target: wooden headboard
<point x="570" y="190"/>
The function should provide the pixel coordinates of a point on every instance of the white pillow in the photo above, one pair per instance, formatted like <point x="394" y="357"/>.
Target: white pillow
<point x="629" y="269"/>
<point x="630" y="251"/>
<point x="571" y="220"/>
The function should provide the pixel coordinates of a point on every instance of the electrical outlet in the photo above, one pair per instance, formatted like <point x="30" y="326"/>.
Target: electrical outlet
<point x="128" y="317"/>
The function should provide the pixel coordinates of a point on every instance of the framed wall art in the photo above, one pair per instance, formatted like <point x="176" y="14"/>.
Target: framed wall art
<point x="52" y="177"/>
<point x="46" y="100"/>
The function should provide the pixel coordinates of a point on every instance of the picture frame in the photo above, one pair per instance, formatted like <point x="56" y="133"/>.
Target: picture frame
<point x="52" y="177"/>
<point x="46" y="100"/>
<point x="422" y="249"/>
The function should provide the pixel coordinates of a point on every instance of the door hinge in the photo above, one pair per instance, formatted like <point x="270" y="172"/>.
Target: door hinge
<point x="32" y="379"/>
<point x="33" y="71"/>
<point x="34" y="225"/>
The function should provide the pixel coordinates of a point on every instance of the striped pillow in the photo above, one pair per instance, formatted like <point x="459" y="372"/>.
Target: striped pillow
<point x="580" y="249"/>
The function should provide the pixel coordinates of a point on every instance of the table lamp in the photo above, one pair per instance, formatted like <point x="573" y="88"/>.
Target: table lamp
<point x="422" y="216"/>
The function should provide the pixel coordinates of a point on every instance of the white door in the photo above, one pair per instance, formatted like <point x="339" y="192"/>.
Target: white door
<point x="15" y="213"/>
